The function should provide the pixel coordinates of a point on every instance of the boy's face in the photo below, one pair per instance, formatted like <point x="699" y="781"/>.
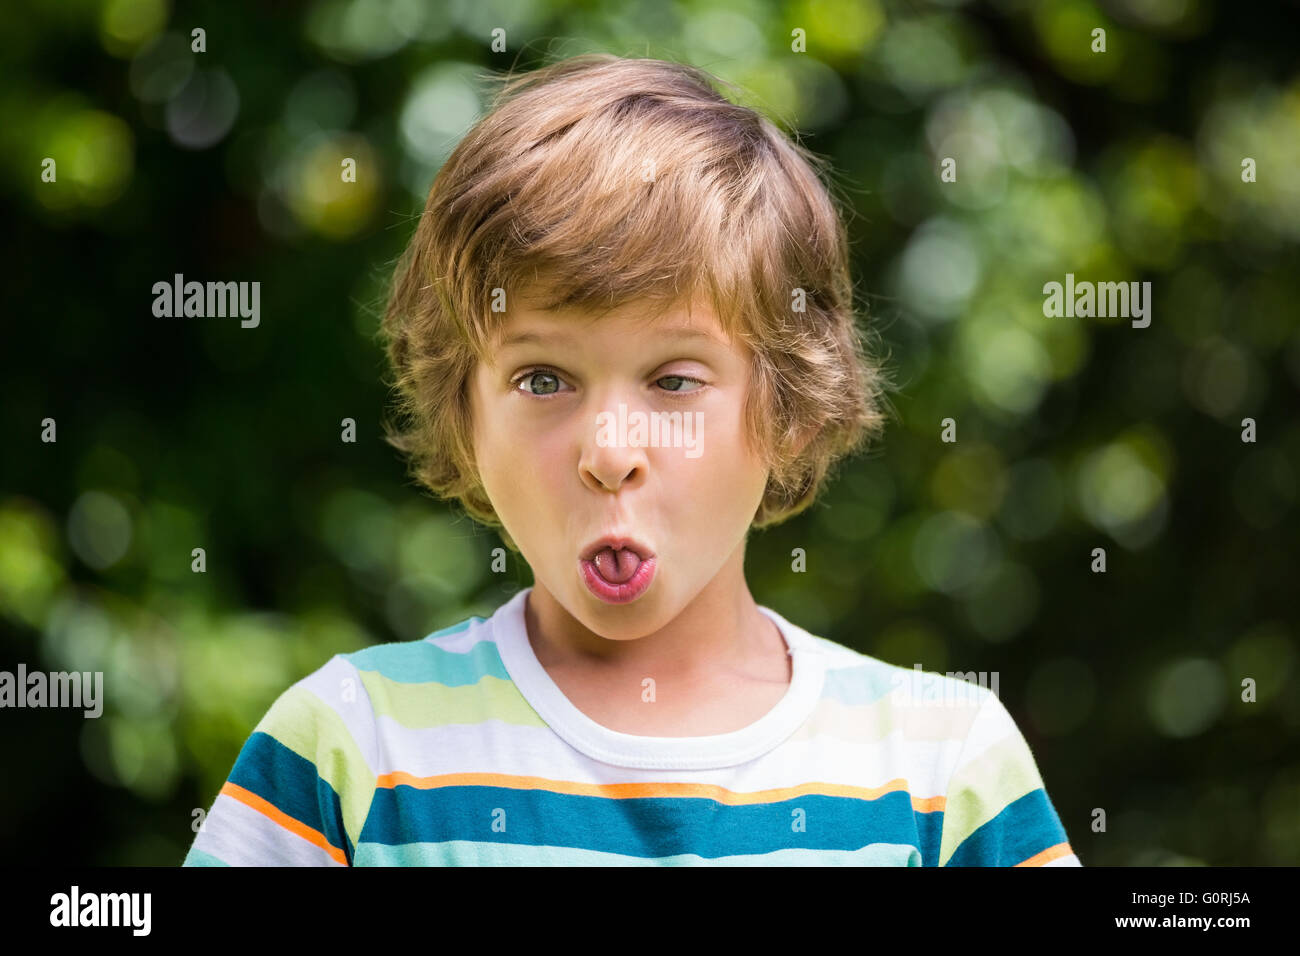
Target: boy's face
<point x="561" y="478"/>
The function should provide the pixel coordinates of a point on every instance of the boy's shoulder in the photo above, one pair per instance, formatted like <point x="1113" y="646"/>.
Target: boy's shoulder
<point x="867" y="699"/>
<point x="461" y="653"/>
<point x="454" y="675"/>
<point x="857" y="678"/>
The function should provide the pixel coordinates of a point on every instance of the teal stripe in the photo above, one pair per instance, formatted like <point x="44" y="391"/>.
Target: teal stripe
<point x="1025" y="827"/>
<point x="419" y="662"/>
<point x="199" y="858"/>
<point x="290" y="783"/>
<point x="650" y="827"/>
<point x="469" y="853"/>
<point x="869" y="682"/>
<point x="865" y="684"/>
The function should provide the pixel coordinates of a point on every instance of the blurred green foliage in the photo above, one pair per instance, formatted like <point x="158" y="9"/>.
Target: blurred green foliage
<point x="1073" y="433"/>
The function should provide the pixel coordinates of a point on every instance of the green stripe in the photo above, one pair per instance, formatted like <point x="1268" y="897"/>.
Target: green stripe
<point x="981" y="790"/>
<point x="431" y="704"/>
<point x="314" y="731"/>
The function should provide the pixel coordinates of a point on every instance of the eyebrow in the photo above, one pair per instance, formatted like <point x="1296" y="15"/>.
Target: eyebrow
<point x="542" y="338"/>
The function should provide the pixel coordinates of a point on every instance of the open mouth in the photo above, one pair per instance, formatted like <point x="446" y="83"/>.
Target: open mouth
<point x="617" y="570"/>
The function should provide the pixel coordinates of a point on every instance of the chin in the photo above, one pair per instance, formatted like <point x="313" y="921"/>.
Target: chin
<point x="619" y="622"/>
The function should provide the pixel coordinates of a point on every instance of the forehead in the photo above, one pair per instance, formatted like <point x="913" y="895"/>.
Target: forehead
<point x="529" y="323"/>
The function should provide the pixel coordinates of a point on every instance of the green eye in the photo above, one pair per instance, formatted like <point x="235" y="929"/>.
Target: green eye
<point x="679" y="379"/>
<point x="550" y="382"/>
<point x="550" y="388"/>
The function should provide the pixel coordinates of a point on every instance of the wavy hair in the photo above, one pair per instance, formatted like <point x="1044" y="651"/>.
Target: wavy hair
<point x="549" y="193"/>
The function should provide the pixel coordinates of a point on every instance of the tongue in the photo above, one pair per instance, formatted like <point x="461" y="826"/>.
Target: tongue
<point x="616" y="567"/>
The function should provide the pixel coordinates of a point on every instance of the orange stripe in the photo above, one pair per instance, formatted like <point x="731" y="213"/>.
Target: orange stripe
<point x="624" y="791"/>
<point x="274" y="813"/>
<point x="1051" y="853"/>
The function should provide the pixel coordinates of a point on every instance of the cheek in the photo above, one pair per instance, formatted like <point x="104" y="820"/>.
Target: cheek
<point x="521" y="464"/>
<point x="727" y="480"/>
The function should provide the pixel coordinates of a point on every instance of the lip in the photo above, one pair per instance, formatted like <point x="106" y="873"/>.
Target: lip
<point x="624" y="593"/>
<point x="633" y="587"/>
<point x="618" y="543"/>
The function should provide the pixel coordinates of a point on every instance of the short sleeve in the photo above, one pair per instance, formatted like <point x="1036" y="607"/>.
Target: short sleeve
<point x="996" y="811"/>
<point x="301" y="786"/>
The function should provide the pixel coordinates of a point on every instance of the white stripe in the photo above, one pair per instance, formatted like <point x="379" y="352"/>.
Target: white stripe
<point x="329" y="684"/>
<point x="463" y="642"/>
<point x="494" y="746"/>
<point x="239" y="835"/>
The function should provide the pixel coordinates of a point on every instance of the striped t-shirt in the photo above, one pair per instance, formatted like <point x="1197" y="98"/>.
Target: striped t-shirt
<point x="459" y="749"/>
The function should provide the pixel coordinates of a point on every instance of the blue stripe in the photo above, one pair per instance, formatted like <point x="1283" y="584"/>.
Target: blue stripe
<point x="418" y="662"/>
<point x="647" y="827"/>
<point x="289" y="782"/>
<point x="1024" y="827"/>
<point x="929" y="828"/>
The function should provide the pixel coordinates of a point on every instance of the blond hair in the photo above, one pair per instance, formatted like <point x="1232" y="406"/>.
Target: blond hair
<point x="549" y="193"/>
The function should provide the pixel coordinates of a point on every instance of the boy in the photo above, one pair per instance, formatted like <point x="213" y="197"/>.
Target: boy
<point x="615" y="243"/>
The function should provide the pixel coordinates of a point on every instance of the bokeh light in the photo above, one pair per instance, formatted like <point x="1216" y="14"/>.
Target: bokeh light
<point x="1172" y="158"/>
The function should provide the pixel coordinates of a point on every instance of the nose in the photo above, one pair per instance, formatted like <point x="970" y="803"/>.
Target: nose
<point x="609" y="461"/>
